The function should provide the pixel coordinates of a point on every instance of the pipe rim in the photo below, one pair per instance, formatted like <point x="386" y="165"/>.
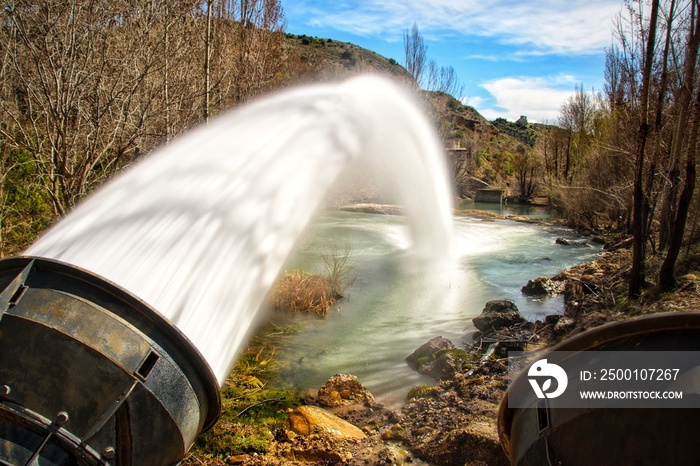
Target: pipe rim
<point x="589" y="339"/>
<point x="146" y="311"/>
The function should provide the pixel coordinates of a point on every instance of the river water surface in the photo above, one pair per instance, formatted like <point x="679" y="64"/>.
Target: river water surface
<point x="394" y="305"/>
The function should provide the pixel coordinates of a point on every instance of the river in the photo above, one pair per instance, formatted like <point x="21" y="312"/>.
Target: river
<point x="394" y="305"/>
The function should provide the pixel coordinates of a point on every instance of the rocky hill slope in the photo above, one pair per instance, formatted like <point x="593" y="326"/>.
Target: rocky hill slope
<point x="321" y="60"/>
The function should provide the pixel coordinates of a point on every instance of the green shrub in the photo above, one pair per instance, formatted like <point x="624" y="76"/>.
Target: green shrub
<point x="25" y="208"/>
<point x="250" y="412"/>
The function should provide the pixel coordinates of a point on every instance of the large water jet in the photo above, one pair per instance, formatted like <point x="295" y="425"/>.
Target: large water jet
<point x="201" y="229"/>
<point x="198" y="231"/>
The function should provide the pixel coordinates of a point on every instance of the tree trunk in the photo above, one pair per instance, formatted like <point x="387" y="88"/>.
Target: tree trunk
<point x="639" y="210"/>
<point x="166" y="75"/>
<point x="658" y="136"/>
<point x="568" y="156"/>
<point x="207" y="65"/>
<point x="668" y="211"/>
<point x="667" y="279"/>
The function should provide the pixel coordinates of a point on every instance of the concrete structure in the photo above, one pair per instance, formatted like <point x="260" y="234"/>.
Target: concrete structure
<point x="489" y="195"/>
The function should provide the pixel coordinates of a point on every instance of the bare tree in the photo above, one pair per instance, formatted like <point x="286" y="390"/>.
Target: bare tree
<point x="207" y="63"/>
<point x="576" y="116"/>
<point x="443" y="79"/>
<point x="526" y="166"/>
<point x="88" y="86"/>
<point x="685" y="140"/>
<point x="75" y="88"/>
<point x="416" y="53"/>
<point x="640" y="201"/>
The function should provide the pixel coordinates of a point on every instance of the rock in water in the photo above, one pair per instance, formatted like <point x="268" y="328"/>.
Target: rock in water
<point x="343" y="389"/>
<point x="311" y="419"/>
<point x="570" y="242"/>
<point x="498" y="314"/>
<point x="427" y="351"/>
<point x="542" y="286"/>
<point x="439" y="358"/>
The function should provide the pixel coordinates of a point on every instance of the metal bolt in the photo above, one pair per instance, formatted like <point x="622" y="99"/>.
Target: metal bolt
<point x="109" y="453"/>
<point x="5" y="390"/>
<point x="61" y="418"/>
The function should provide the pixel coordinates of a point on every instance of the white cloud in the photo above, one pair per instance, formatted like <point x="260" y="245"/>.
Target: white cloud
<point x="551" y="26"/>
<point x="537" y="98"/>
<point x="495" y="58"/>
<point x="543" y="27"/>
<point x="474" y="101"/>
<point x="508" y="37"/>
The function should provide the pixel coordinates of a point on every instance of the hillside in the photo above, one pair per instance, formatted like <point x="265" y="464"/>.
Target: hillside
<point x="487" y="154"/>
<point x="482" y="153"/>
<point x="454" y="118"/>
<point x="316" y="59"/>
<point x="520" y="130"/>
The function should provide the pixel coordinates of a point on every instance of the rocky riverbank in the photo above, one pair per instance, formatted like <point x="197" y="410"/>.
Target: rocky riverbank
<point x="454" y="421"/>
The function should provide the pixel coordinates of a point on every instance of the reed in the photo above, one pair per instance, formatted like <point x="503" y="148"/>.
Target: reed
<point x="300" y="291"/>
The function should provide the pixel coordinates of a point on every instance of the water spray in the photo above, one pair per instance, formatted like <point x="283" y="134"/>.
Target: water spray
<point x="119" y="325"/>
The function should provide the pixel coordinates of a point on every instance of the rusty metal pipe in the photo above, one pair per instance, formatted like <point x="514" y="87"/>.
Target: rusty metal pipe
<point x="91" y="375"/>
<point x="606" y="436"/>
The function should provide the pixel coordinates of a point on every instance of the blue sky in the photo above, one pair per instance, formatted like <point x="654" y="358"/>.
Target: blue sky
<point x="514" y="57"/>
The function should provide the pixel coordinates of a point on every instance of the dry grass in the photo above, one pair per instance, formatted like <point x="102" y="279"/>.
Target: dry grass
<point x="299" y="291"/>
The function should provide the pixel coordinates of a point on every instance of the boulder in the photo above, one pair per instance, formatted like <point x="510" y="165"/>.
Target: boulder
<point x="443" y="367"/>
<point x="474" y="444"/>
<point x="343" y="389"/>
<point x="577" y="289"/>
<point x="498" y="314"/>
<point x="570" y="242"/>
<point x="552" y="319"/>
<point x="438" y="358"/>
<point x="312" y="419"/>
<point x="573" y="291"/>
<point x="426" y="352"/>
<point x="542" y="286"/>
